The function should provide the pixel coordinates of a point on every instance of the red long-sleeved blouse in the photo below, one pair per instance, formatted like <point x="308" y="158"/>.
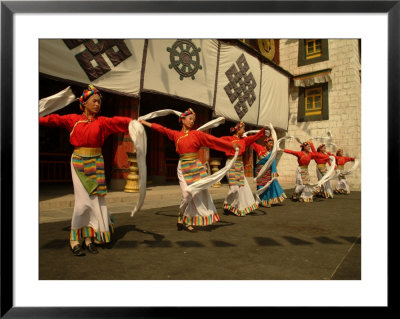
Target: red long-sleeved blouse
<point x="321" y="160"/>
<point x="244" y="142"/>
<point x="304" y="158"/>
<point x="85" y="132"/>
<point x="259" y="149"/>
<point x="192" y="141"/>
<point x="341" y="160"/>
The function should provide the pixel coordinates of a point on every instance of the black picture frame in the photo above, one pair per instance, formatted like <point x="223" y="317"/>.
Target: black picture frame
<point x="9" y="8"/>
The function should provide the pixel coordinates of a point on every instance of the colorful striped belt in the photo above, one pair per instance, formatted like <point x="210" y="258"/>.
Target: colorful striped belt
<point x="321" y="165"/>
<point x="188" y="156"/>
<point x="239" y="158"/>
<point x="87" y="151"/>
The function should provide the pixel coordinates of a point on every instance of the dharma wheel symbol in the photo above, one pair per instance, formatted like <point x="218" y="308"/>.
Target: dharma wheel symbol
<point x="185" y="59"/>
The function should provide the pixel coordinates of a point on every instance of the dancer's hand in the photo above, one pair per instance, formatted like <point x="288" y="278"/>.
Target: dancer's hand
<point x="143" y="122"/>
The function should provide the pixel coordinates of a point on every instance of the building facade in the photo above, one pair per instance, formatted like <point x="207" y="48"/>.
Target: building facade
<point x="324" y="95"/>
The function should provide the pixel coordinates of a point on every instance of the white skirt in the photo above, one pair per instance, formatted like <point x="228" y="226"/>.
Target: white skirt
<point x="326" y="188"/>
<point x="200" y="209"/>
<point x="342" y="186"/>
<point x="90" y="217"/>
<point x="306" y="192"/>
<point x="240" y="199"/>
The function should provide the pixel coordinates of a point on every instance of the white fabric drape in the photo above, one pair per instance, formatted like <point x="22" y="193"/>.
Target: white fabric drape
<point x="345" y="172"/>
<point x="212" y="124"/>
<point x="139" y="139"/>
<point x="351" y="169"/>
<point x="328" y="174"/>
<point x="326" y="140"/>
<point x="56" y="101"/>
<point x="159" y="113"/>
<point x="210" y="180"/>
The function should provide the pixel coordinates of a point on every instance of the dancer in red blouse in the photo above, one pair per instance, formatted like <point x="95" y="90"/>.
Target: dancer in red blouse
<point x="240" y="199"/>
<point x="200" y="210"/>
<point x="274" y="193"/>
<point x="326" y="188"/>
<point x="302" y="191"/>
<point x="342" y="187"/>
<point x="91" y="221"/>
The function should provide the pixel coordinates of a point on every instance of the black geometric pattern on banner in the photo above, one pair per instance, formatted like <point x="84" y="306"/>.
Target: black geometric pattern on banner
<point x="91" y="59"/>
<point x="185" y="59"/>
<point x="73" y="43"/>
<point x="241" y="86"/>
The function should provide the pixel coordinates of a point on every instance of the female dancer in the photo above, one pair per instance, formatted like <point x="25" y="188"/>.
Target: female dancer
<point x="342" y="187"/>
<point x="302" y="192"/>
<point x="91" y="221"/>
<point x="326" y="188"/>
<point x="240" y="200"/>
<point x="200" y="210"/>
<point x="274" y="193"/>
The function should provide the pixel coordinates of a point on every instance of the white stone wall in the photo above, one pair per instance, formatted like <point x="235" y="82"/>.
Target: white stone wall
<point x="344" y="107"/>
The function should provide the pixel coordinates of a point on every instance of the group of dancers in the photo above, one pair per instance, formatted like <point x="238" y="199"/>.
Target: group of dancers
<point x="92" y="224"/>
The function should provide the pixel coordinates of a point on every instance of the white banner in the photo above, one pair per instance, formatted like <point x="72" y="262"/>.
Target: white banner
<point x="183" y="68"/>
<point x="274" y="98"/>
<point x="238" y="87"/>
<point x="113" y="64"/>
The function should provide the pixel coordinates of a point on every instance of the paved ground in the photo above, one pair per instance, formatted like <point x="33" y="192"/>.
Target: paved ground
<point x="294" y="241"/>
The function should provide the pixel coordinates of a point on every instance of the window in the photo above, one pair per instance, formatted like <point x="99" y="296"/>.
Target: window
<point x="313" y="103"/>
<point x="313" y="51"/>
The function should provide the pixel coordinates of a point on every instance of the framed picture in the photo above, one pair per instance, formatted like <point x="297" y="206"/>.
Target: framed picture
<point x="376" y="23"/>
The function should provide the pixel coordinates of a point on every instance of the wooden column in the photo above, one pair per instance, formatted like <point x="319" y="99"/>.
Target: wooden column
<point x="122" y="143"/>
<point x="248" y="162"/>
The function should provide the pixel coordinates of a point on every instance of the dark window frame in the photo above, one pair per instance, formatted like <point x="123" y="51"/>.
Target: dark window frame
<point x="302" y="58"/>
<point x="301" y="113"/>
